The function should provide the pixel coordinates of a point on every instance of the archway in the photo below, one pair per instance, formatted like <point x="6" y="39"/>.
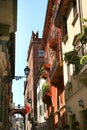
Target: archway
<point x="17" y="117"/>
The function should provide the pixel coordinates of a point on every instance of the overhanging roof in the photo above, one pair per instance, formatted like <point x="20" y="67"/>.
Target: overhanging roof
<point x="62" y="11"/>
<point x="47" y="22"/>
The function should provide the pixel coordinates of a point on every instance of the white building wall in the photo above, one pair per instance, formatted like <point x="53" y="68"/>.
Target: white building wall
<point x="79" y="90"/>
<point x="40" y="118"/>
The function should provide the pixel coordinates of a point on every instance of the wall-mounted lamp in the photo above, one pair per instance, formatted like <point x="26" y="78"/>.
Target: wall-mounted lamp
<point x="9" y="78"/>
<point x="69" y="109"/>
<point x="81" y="103"/>
<point x="26" y="71"/>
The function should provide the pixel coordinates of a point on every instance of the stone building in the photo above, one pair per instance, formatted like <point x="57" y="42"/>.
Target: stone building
<point x="35" y="60"/>
<point x="51" y="44"/>
<point x="74" y="31"/>
<point x="8" y="27"/>
<point x="65" y="57"/>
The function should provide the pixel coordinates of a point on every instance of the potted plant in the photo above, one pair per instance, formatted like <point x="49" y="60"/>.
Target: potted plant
<point x="46" y="94"/>
<point x="45" y="87"/>
<point x="83" y="60"/>
<point x="83" y="35"/>
<point x="71" y="57"/>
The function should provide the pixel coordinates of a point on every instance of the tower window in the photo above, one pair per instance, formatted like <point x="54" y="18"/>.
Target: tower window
<point x="41" y="53"/>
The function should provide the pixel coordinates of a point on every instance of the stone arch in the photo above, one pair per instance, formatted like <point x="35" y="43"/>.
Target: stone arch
<point x="18" y="111"/>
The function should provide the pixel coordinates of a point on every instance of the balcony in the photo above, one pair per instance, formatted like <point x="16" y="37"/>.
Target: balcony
<point x="62" y="11"/>
<point x="53" y="40"/>
<point x="47" y="67"/>
<point x="80" y="64"/>
<point x="53" y="43"/>
<point x="46" y="94"/>
<point x="82" y="75"/>
<point x="56" y="72"/>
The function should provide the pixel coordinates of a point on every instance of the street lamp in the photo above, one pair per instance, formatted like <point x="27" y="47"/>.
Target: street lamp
<point x="9" y="78"/>
<point x="81" y="103"/>
<point x="26" y="71"/>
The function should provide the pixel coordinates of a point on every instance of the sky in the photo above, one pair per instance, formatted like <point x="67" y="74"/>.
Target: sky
<point x="30" y="17"/>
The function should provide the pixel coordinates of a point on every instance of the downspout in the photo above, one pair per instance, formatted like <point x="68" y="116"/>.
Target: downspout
<point x="81" y="16"/>
<point x="80" y="13"/>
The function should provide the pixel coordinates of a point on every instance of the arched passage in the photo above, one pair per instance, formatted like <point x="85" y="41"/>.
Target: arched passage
<point x="17" y="111"/>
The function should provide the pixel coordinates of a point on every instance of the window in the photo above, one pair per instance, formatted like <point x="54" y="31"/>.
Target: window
<point x="39" y="96"/>
<point x="64" y="26"/>
<point x="70" y="72"/>
<point x="41" y="53"/>
<point x="73" y="119"/>
<point x="85" y="119"/>
<point x="40" y="109"/>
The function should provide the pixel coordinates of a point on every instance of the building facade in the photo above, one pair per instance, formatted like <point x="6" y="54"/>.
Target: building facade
<point x="64" y="71"/>
<point x="8" y="27"/>
<point x="52" y="46"/>
<point x="35" y="59"/>
<point x="74" y="70"/>
<point x="41" y="107"/>
<point x="64" y="35"/>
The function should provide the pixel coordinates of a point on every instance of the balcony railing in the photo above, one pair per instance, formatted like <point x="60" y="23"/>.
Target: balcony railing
<point x="56" y="71"/>
<point x="78" y="58"/>
<point x="53" y="39"/>
<point x="53" y="67"/>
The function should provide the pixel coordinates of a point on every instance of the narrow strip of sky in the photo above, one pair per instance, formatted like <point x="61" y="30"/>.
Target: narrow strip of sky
<point x="30" y="17"/>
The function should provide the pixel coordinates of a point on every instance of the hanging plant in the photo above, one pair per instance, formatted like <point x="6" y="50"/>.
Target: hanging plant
<point x="83" y="60"/>
<point x="69" y="54"/>
<point x="71" y="57"/>
<point x="42" y="70"/>
<point x="83" y="35"/>
<point x="45" y="87"/>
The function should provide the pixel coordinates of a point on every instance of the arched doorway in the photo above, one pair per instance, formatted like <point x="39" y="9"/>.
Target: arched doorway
<point x="17" y="118"/>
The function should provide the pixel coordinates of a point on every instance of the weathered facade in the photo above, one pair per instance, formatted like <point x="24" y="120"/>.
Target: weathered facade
<point x="65" y="66"/>
<point x="68" y="19"/>
<point x="8" y="26"/>
<point x="35" y="59"/>
<point x="51" y="44"/>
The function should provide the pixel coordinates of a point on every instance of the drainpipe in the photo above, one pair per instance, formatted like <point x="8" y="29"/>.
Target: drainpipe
<point x="80" y="13"/>
<point x="81" y="16"/>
